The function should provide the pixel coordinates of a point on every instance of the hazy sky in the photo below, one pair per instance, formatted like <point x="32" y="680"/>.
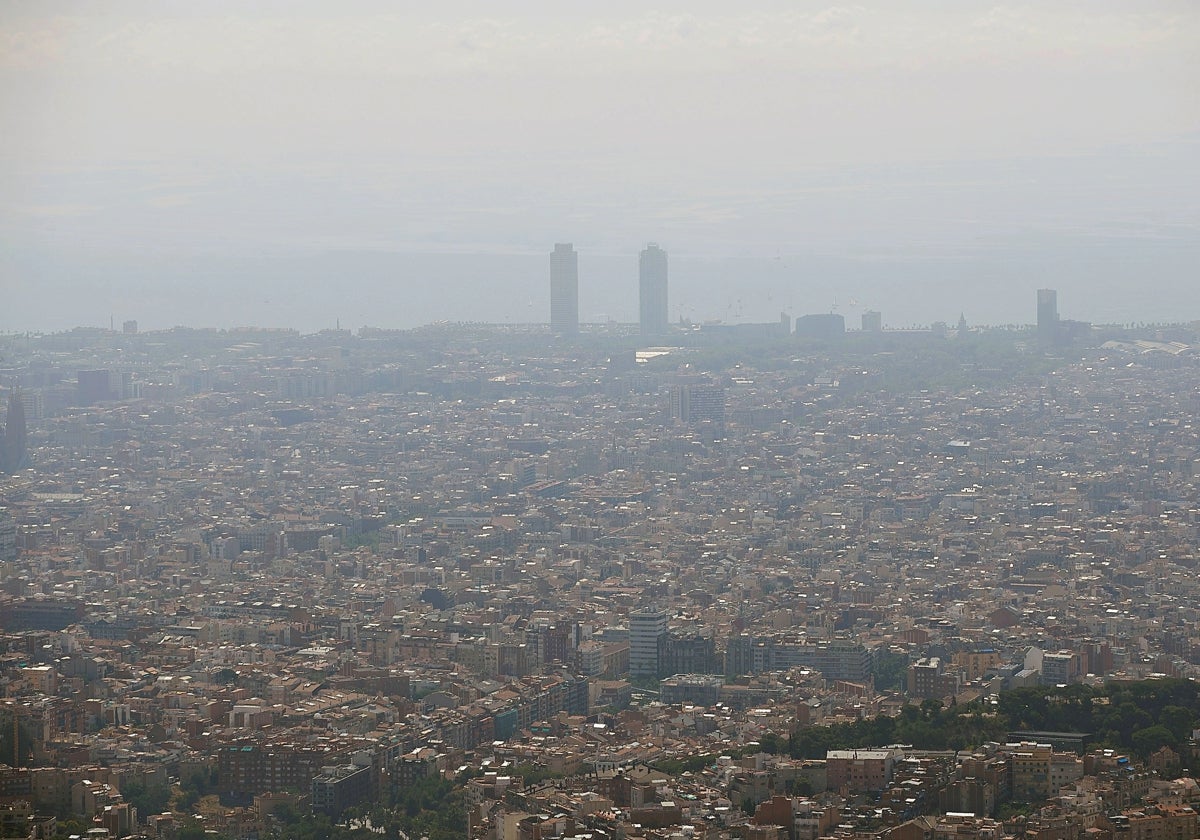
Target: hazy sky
<point x="150" y="151"/>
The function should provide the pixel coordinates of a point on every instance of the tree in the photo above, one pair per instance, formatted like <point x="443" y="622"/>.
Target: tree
<point x="771" y="743"/>
<point x="1126" y="718"/>
<point x="890" y="670"/>
<point x="188" y="797"/>
<point x="1146" y="741"/>
<point x="1179" y="720"/>
<point x="802" y="786"/>
<point x="532" y="774"/>
<point x="148" y="799"/>
<point x="70" y="828"/>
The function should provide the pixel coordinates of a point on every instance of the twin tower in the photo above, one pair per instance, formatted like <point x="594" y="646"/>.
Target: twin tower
<point x="564" y="290"/>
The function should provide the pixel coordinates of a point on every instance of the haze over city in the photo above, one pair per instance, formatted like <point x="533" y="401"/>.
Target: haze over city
<point x="527" y="421"/>
<point x="300" y="164"/>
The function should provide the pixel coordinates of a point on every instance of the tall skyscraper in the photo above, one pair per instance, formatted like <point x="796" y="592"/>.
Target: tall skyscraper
<point x="647" y="641"/>
<point x="652" y="290"/>
<point x="8" y="537"/>
<point x="564" y="289"/>
<point x="14" y="455"/>
<point x="1047" y="312"/>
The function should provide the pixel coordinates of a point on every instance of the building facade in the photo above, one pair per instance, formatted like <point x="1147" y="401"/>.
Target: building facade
<point x="647" y="641"/>
<point x="652" y="291"/>
<point x="1047" y="312"/>
<point x="13" y="454"/>
<point x="564" y="289"/>
<point x="860" y="771"/>
<point x="693" y="403"/>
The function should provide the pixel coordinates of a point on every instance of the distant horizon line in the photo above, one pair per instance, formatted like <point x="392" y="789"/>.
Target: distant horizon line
<point x="545" y="326"/>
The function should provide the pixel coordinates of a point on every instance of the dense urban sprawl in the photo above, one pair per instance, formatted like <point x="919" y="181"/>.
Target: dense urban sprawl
<point x="476" y="581"/>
